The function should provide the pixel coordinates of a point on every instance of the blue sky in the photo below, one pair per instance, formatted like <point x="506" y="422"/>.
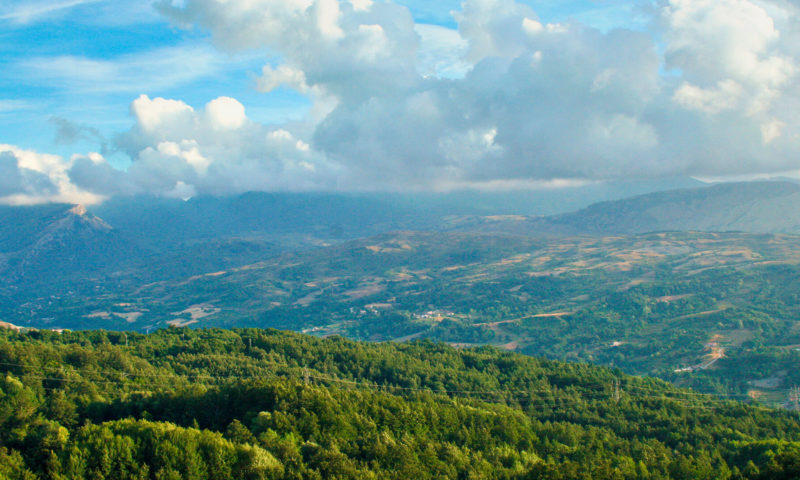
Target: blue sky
<point x="188" y="97"/>
<point x="84" y="61"/>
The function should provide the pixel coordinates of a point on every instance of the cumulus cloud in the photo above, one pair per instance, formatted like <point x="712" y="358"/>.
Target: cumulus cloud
<point x="28" y="177"/>
<point x="738" y="72"/>
<point x="94" y="173"/>
<point x="284" y="75"/>
<point x="441" y="53"/>
<point x="353" y="50"/>
<point x="15" y="180"/>
<point x="729" y="53"/>
<point x="181" y="152"/>
<point x="561" y="102"/>
<point x="506" y="98"/>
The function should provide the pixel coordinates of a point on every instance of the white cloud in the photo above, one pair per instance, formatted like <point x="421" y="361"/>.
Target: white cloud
<point x="361" y="4"/>
<point x="225" y="113"/>
<point x="374" y="43"/>
<point x="29" y="11"/>
<point x="150" y="70"/>
<point x="532" y="27"/>
<point x="102" y="13"/>
<point x="727" y="42"/>
<point x="179" y="151"/>
<point x="623" y="132"/>
<point x="246" y="24"/>
<point x="772" y="130"/>
<point x="441" y="52"/>
<point x="723" y="37"/>
<point x="506" y="99"/>
<point x="495" y="28"/>
<point x="468" y="148"/>
<point x="725" y="96"/>
<point x="327" y="16"/>
<point x="12" y="105"/>
<point x="285" y="75"/>
<point x="156" y="114"/>
<point x="346" y="52"/>
<point x="28" y="177"/>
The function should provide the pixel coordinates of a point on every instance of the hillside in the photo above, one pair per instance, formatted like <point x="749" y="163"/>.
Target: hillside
<point x="755" y="207"/>
<point x="713" y="310"/>
<point x="256" y="404"/>
<point x="55" y="243"/>
<point x="308" y="219"/>
<point x="142" y="240"/>
<point x="53" y="250"/>
<point x="650" y="304"/>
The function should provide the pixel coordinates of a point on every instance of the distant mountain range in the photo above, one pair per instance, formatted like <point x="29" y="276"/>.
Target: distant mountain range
<point x="295" y="217"/>
<point x="131" y="241"/>
<point x="590" y="285"/>
<point x="753" y="207"/>
<point x="50" y="249"/>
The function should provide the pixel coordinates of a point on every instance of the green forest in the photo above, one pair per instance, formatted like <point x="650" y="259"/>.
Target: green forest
<point x="264" y="404"/>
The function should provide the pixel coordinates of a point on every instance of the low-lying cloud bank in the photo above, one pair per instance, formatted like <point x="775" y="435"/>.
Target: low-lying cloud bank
<point x="710" y="89"/>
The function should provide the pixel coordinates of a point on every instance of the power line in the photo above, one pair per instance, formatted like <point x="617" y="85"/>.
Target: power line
<point x="695" y="400"/>
<point x="597" y="387"/>
<point x="306" y="375"/>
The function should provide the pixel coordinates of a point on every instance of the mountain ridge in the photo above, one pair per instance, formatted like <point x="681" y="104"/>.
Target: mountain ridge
<point x="64" y="238"/>
<point x="743" y="206"/>
<point x="753" y="207"/>
<point x="143" y="240"/>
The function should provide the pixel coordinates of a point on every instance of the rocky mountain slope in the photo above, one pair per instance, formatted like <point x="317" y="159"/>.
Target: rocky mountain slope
<point x="47" y="243"/>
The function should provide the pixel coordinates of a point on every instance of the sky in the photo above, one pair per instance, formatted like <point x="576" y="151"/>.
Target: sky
<point x="213" y="97"/>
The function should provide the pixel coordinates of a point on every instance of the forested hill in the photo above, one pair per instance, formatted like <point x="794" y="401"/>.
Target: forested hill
<point x="258" y="404"/>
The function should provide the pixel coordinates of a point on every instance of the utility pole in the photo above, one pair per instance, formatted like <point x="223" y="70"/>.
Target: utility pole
<point x="794" y="397"/>
<point x="616" y="390"/>
<point x="306" y="376"/>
